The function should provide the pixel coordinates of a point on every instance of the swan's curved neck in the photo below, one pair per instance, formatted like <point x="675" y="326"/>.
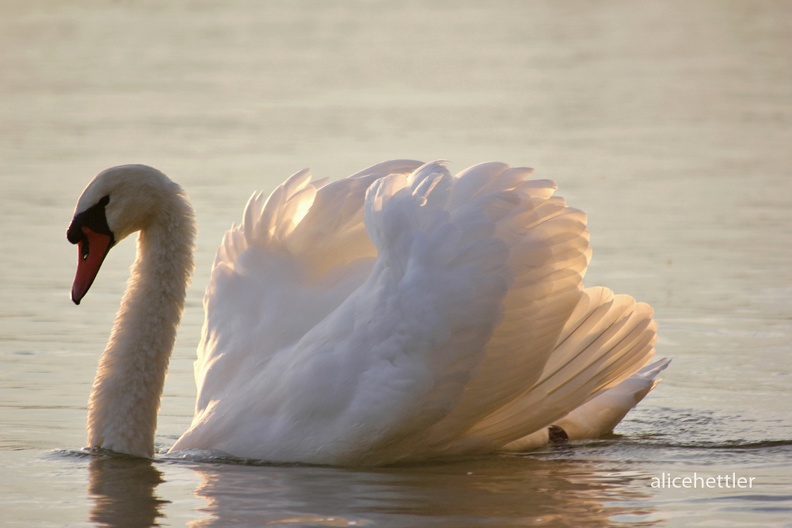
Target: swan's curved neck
<point x="122" y="410"/>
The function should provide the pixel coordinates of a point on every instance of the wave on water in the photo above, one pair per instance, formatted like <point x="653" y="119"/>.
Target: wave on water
<point x="202" y="456"/>
<point x="703" y="429"/>
<point x="652" y="428"/>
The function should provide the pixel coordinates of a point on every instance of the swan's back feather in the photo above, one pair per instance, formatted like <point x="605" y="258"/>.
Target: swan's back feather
<point x="549" y="252"/>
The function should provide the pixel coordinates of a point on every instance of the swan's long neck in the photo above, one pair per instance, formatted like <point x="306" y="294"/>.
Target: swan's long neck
<point x="122" y="410"/>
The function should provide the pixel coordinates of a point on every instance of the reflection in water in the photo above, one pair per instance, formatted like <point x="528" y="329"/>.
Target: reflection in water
<point x="123" y="491"/>
<point x="493" y="491"/>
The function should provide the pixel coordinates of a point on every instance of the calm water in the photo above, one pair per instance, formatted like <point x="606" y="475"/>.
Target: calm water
<point x="669" y="123"/>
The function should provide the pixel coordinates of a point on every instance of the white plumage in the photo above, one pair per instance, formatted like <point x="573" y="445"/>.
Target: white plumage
<point x="404" y="313"/>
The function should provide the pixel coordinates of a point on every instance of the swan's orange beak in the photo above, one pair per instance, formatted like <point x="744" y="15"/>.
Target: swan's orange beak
<point x="93" y="248"/>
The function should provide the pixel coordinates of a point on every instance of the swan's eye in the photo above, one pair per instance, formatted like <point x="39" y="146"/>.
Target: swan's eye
<point x="104" y="201"/>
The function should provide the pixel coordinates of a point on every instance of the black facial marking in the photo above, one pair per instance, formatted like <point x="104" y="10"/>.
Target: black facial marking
<point x="93" y="218"/>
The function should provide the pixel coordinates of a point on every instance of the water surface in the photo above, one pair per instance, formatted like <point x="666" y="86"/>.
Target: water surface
<point x="668" y="123"/>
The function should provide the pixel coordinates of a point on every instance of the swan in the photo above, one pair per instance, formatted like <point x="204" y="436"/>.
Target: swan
<point x="400" y="314"/>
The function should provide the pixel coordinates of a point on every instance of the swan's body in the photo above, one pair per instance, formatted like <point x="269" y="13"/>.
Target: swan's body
<point x="402" y="313"/>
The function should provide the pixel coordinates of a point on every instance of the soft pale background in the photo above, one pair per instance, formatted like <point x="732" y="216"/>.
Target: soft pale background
<point x="670" y="123"/>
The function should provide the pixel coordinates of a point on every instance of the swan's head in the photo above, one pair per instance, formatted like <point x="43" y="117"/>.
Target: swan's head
<point x="118" y="201"/>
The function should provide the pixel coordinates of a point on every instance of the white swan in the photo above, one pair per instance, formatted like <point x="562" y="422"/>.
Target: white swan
<point x="398" y="314"/>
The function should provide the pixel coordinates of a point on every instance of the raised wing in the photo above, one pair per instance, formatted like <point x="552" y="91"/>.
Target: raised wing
<point x="405" y="313"/>
<point x="296" y="256"/>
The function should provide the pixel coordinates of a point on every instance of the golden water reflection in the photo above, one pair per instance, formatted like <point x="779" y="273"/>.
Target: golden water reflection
<point x="492" y="491"/>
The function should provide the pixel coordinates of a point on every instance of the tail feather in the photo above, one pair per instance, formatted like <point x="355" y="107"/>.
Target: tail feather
<point x="601" y="414"/>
